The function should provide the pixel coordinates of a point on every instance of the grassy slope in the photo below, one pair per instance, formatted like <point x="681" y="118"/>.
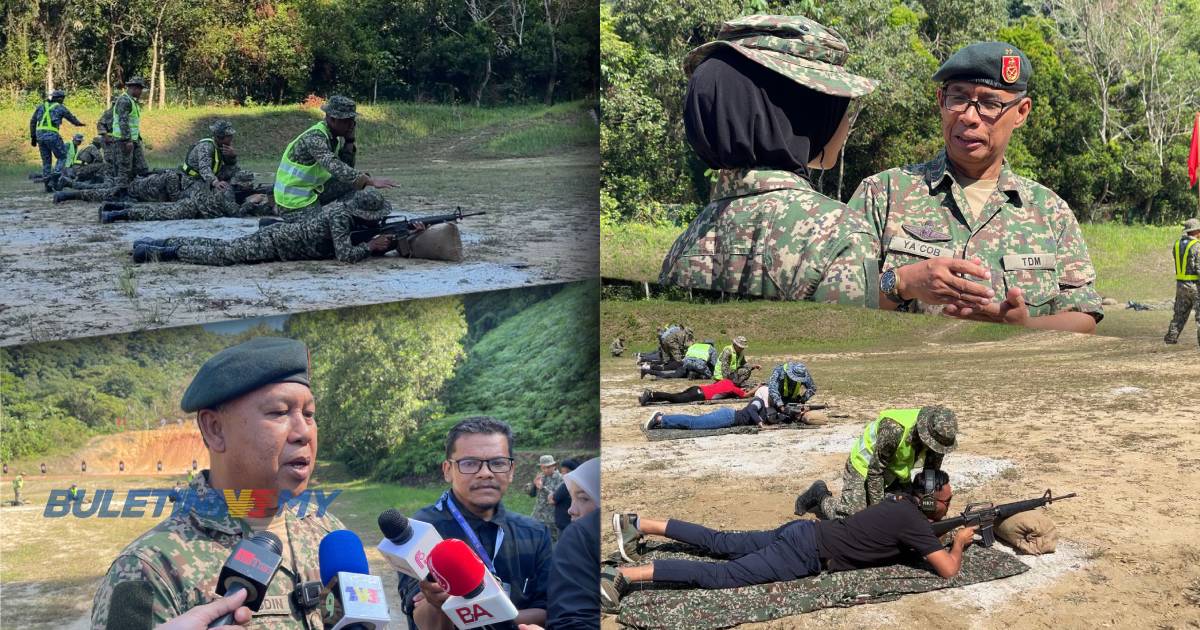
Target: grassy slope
<point x="1132" y="262"/>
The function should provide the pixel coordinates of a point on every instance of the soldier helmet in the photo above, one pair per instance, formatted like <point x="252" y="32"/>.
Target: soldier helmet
<point x="796" y="47"/>
<point x="994" y="64"/>
<point x="795" y="371"/>
<point x="77" y="137"/>
<point x="221" y="128"/>
<point x="135" y="80"/>
<point x="938" y="429"/>
<point x="739" y="342"/>
<point x="1191" y="225"/>
<point x="57" y="95"/>
<point x="369" y="204"/>
<point x="339" y="107"/>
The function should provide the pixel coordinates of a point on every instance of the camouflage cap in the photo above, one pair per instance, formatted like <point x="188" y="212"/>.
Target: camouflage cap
<point x="135" y="80"/>
<point x="546" y="460"/>
<point x="221" y="128"/>
<point x="796" y="47"/>
<point x="795" y="370"/>
<point x="369" y="204"/>
<point x="1191" y="225"/>
<point x="339" y="107"/>
<point x="740" y="342"/>
<point x="57" y="95"/>
<point x="938" y="429"/>
<point x="994" y="64"/>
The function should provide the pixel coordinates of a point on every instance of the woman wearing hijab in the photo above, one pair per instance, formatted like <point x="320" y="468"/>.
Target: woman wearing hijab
<point x="766" y="103"/>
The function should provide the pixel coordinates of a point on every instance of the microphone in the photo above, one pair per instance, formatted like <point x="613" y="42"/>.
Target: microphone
<point x="354" y="599"/>
<point x="131" y="606"/>
<point x="407" y="543"/>
<point x="476" y="597"/>
<point x="250" y="567"/>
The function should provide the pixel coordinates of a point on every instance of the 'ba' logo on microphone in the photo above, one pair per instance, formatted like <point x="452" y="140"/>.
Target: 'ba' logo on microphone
<point x="471" y="614"/>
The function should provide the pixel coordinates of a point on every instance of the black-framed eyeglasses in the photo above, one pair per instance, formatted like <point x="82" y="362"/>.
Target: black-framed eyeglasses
<point x="986" y="107"/>
<point x="471" y="465"/>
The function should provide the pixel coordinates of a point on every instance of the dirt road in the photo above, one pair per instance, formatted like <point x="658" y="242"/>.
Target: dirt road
<point x="62" y="275"/>
<point x="1111" y="419"/>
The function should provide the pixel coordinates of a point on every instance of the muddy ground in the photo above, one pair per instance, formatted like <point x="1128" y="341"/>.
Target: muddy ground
<point x="1111" y="419"/>
<point x="62" y="275"/>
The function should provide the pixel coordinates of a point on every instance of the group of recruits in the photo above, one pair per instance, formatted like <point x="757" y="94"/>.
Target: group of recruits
<point x="962" y="234"/>
<point x="318" y="197"/>
<point x="257" y="416"/>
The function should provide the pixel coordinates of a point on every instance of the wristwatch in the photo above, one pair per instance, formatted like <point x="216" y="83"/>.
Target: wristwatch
<point x="887" y="285"/>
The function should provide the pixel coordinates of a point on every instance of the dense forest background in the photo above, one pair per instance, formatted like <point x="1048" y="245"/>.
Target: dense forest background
<point x="1116" y="87"/>
<point x="389" y="380"/>
<point x="278" y="51"/>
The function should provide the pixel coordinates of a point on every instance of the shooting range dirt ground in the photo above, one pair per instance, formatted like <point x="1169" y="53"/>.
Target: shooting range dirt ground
<point x="64" y="275"/>
<point x="1111" y="419"/>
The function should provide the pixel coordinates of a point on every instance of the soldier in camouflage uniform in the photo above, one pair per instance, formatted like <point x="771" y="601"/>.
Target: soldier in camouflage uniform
<point x="88" y="166"/>
<point x="320" y="236"/>
<point x="318" y="166"/>
<point x="127" y="135"/>
<point x="789" y="383"/>
<point x="108" y="143"/>
<point x="182" y="556"/>
<point x="1186" y="256"/>
<point x="542" y="488"/>
<point x="167" y="185"/>
<point x="223" y="204"/>
<point x="965" y="235"/>
<point x="43" y="134"/>
<point x="883" y="459"/>
<point x="766" y="103"/>
<point x="210" y="165"/>
<point x="617" y="347"/>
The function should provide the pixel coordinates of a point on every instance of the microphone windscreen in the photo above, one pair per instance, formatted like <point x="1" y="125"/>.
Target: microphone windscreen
<point x="131" y="606"/>
<point x="269" y="540"/>
<point x="394" y="525"/>
<point x="341" y="550"/>
<point x="457" y="568"/>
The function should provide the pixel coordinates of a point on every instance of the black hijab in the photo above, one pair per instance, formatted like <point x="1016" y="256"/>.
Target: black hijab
<point x="739" y="114"/>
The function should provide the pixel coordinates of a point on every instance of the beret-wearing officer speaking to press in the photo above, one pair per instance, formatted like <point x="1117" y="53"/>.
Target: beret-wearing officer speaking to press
<point x="256" y="415"/>
<point x="965" y="235"/>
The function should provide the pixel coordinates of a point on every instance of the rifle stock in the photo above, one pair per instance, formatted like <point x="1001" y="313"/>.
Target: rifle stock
<point x="986" y="515"/>
<point x="404" y="226"/>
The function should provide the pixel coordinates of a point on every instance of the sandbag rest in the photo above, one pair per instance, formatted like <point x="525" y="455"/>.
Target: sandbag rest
<point x="653" y="606"/>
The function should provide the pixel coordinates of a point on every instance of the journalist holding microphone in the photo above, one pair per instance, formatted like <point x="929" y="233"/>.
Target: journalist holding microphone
<point x="256" y="415"/>
<point x="514" y="548"/>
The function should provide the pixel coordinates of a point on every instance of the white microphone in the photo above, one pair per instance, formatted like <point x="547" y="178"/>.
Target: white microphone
<point x="407" y="543"/>
<point x="476" y="597"/>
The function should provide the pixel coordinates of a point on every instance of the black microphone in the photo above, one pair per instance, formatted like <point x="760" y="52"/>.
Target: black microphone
<point x="131" y="606"/>
<point x="250" y="567"/>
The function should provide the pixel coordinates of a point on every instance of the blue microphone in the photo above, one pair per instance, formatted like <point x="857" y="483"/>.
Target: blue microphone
<point x="354" y="599"/>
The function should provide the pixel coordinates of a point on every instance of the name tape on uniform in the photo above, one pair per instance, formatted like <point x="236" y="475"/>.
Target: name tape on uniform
<point x="1018" y="262"/>
<point x="274" y="605"/>
<point x="919" y="248"/>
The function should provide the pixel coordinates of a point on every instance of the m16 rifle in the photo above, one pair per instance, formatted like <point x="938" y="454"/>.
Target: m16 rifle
<point x="401" y="226"/>
<point x="986" y="515"/>
<point x="798" y="413"/>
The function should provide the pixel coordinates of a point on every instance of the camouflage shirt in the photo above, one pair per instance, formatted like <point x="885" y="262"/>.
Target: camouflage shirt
<point x="542" y="510"/>
<point x="723" y="361"/>
<point x="200" y="159"/>
<point x="122" y="108"/>
<point x="322" y="235"/>
<point x="89" y="154"/>
<point x="674" y="343"/>
<point x="775" y="386"/>
<point x="182" y="556"/>
<point x="1192" y="265"/>
<point x="1026" y="234"/>
<point x="884" y="450"/>
<point x="312" y="147"/>
<point x="768" y="233"/>
<point x="104" y="124"/>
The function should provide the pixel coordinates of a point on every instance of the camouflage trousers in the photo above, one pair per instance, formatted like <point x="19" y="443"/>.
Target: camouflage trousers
<point x="85" y="172"/>
<point x="1187" y="299"/>
<point x="853" y="498"/>
<point x="111" y="149"/>
<point x="129" y="165"/>
<point x="154" y="187"/>
<point x="254" y="248"/>
<point x="190" y="207"/>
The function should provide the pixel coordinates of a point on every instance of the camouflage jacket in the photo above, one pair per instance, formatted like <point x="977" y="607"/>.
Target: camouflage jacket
<point x="1192" y="266"/>
<point x="616" y="348"/>
<point x="164" y="186"/>
<point x="322" y="235"/>
<point x="200" y="158"/>
<point x="122" y="108"/>
<point x="89" y="154"/>
<point x="104" y="123"/>
<point x="883" y="451"/>
<point x="775" y="384"/>
<point x="312" y="147"/>
<point x="674" y="343"/>
<point x="182" y="556"/>
<point x="1026" y="234"/>
<point x="768" y="233"/>
<point x="725" y="358"/>
<point x="542" y="510"/>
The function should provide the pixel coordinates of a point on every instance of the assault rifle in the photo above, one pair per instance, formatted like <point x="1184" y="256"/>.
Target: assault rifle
<point x="401" y="226"/>
<point x="795" y="413"/>
<point x="985" y="515"/>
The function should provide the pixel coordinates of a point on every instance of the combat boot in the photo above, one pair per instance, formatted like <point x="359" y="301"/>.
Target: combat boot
<point x="47" y="185"/>
<point x="143" y="252"/>
<point x="152" y="242"/>
<point x="109" y="216"/>
<point x="109" y="206"/>
<point x="56" y="181"/>
<point x="65" y="195"/>
<point x="811" y="498"/>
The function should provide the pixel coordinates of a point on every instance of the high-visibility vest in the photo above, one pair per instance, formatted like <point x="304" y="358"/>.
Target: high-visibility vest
<point x="72" y="160"/>
<point x="298" y="185"/>
<point x="135" y="122"/>
<point x="699" y="351"/>
<point x="789" y="389"/>
<point x="905" y="457"/>
<point x="216" y="164"/>
<point x="735" y="362"/>
<point x="46" y="123"/>
<point x="1182" y="255"/>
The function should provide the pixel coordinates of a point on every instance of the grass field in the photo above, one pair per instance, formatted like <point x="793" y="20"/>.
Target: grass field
<point x="1132" y="262"/>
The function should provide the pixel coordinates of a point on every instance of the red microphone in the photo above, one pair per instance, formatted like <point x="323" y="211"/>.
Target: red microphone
<point x="476" y="598"/>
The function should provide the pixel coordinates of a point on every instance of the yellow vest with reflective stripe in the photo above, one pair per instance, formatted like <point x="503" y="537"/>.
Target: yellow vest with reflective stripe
<point x="135" y="122"/>
<point x="906" y="456"/>
<point x="298" y="185"/>
<point x="46" y="123"/>
<point x="216" y="165"/>
<point x="735" y="362"/>
<point x="789" y="389"/>
<point x="72" y="160"/>
<point x="698" y="351"/>
<point x="1182" y="255"/>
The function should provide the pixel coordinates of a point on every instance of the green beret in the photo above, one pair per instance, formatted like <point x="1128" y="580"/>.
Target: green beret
<point x="994" y="64"/>
<point x="244" y="368"/>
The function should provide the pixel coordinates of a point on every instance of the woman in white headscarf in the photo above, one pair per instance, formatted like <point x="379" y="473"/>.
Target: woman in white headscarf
<point x="584" y="483"/>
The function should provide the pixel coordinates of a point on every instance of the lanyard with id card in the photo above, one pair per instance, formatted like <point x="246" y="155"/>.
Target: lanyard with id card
<point x="477" y="544"/>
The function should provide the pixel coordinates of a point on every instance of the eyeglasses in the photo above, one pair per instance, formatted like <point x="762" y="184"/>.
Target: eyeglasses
<point x="986" y="108"/>
<point x="471" y="465"/>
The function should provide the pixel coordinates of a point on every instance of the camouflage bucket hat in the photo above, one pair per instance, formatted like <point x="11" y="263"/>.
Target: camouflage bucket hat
<point x="369" y="204"/>
<point x="546" y="460"/>
<point x="938" y="429"/>
<point x="795" y="371"/>
<point x="221" y="128"/>
<point x="740" y="342"/>
<point x="339" y="107"/>
<point x="796" y="47"/>
<point x="136" y="81"/>
<point x="1191" y="225"/>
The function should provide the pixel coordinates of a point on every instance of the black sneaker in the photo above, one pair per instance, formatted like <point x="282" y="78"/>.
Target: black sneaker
<point x="644" y="398"/>
<point x="811" y="498"/>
